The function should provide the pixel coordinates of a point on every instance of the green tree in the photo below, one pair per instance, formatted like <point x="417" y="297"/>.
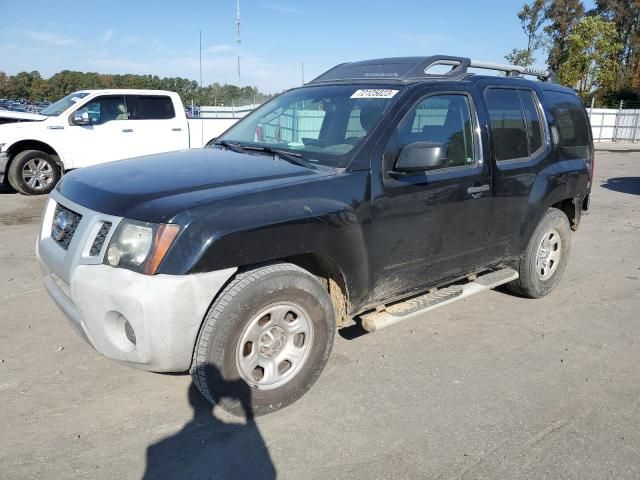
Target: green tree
<point x="532" y="17"/>
<point x="591" y="56"/>
<point x="562" y="16"/>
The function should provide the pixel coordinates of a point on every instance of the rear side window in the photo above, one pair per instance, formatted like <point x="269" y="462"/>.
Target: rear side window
<point x="571" y="124"/>
<point x="148" y="107"/>
<point x="516" y="128"/>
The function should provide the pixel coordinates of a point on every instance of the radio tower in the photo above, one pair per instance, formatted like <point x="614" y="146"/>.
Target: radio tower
<point x="238" y="41"/>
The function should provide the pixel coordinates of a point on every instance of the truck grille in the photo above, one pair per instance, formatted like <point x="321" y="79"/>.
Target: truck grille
<point x="65" y="223"/>
<point x="96" y="248"/>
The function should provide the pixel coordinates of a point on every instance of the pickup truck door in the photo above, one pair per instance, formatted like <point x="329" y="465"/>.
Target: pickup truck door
<point x="430" y="226"/>
<point x="104" y="139"/>
<point x="156" y="126"/>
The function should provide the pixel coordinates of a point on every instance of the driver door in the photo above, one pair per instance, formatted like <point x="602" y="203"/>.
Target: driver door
<point x="108" y="136"/>
<point x="430" y="225"/>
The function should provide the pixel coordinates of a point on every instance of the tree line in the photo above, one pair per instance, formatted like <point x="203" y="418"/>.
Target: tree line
<point x="31" y="86"/>
<point x="595" y="51"/>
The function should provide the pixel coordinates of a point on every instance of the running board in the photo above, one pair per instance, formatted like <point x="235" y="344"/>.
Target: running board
<point x="399" y="312"/>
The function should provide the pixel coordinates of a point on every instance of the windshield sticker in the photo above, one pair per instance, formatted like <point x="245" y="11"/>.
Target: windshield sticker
<point x="75" y="99"/>
<point x="374" y="93"/>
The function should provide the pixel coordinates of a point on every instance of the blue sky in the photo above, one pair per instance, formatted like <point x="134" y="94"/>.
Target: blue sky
<point x="161" y="37"/>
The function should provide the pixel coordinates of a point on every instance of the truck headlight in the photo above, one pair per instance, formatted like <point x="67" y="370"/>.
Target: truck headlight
<point x="140" y="246"/>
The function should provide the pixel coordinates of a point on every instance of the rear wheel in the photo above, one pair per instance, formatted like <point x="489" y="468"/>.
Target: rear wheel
<point x="265" y="340"/>
<point x="33" y="172"/>
<point x="545" y="258"/>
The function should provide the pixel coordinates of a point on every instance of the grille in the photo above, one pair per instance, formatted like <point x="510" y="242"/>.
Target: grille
<point x="65" y="223"/>
<point x="100" y="238"/>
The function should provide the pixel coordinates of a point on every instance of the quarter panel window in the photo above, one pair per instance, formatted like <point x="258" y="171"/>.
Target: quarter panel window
<point x="444" y="120"/>
<point x="571" y="124"/>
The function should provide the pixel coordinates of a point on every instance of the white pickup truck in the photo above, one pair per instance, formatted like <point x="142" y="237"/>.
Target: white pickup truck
<point x="96" y="126"/>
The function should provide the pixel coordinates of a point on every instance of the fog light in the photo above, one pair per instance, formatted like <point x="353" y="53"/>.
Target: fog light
<point x="128" y="331"/>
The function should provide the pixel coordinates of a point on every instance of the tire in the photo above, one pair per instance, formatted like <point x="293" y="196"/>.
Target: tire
<point x="33" y="172"/>
<point x="538" y="277"/>
<point x="244" y="326"/>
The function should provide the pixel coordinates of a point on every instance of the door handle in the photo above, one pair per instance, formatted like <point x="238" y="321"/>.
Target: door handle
<point x="127" y="130"/>
<point x="476" y="192"/>
<point x="176" y="129"/>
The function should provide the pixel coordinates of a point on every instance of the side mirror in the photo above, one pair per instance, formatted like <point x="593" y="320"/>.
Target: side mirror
<point x="420" y="156"/>
<point x="81" y="117"/>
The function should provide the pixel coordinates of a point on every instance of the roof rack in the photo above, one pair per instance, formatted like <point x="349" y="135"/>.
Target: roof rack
<point x="411" y="69"/>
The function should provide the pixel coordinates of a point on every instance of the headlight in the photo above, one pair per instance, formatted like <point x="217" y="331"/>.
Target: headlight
<point x="140" y="246"/>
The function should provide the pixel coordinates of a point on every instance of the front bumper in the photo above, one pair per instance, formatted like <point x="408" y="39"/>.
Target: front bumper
<point x="163" y="311"/>
<point x="4" y="161"/>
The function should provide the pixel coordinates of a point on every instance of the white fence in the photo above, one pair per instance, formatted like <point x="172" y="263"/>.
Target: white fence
<point x="615" y="125"/>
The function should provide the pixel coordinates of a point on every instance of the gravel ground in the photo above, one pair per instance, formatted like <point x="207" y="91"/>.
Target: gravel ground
<point x="495" y="386"/>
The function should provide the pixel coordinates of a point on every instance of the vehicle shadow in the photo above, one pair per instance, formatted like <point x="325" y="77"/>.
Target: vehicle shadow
<point x="629" y="185"/>
<point x="6" y="189"/>
<point x="208" y="448"/>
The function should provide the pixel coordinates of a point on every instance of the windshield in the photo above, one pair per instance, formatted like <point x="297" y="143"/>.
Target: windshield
<point x="325" y="124"/>
<point x="61" y="105"/>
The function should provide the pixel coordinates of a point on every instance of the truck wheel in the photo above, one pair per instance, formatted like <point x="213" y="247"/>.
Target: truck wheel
<point x="33" y="172"/>
<point x="545" y="258"/>
<point x="265" y="340"/>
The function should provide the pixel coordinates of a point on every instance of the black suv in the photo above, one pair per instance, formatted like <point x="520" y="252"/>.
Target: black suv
<point x="376" y="192"/>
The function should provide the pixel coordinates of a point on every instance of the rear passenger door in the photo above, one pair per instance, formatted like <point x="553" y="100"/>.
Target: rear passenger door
<point x="520" y="149"/>
<point x="155" y="126"/>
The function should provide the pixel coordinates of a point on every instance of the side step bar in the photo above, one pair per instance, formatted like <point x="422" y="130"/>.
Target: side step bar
<point x="399" y="312"/>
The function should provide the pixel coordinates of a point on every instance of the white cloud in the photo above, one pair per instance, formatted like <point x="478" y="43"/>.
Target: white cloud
<point x="284" y="9"/>
<point x="106" y="36"/>
<point x="219" y="48"/>
<point x="49" y="38"/>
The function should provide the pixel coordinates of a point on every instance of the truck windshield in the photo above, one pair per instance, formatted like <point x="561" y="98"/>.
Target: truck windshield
<point x="61" y="105"/>
<point x="324" y="124"/>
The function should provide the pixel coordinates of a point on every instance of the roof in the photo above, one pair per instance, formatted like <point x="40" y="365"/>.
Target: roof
<point x="413" y="69"/>
<point x="128" y="91"/>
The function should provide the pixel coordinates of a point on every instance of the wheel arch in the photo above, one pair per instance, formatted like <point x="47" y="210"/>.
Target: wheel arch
<point x="22" y="145"/>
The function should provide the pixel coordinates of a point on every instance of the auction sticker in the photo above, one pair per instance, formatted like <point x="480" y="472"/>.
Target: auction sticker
<point x="374" y="93"/>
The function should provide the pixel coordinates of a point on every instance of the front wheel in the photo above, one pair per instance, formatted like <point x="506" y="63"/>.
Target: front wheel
<point x="265" y="340"/>
<point x="33" y="172"/>
<point x="545" y="257"/>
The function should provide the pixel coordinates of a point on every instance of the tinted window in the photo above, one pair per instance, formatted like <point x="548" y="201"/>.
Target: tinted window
<point x="534" y="127"/>
<point x="445" y="120"/>
<point x="508" y="127"/>
<point x="106" y="109"/>
<point x="146" y="107"/>
<point x="571" y="124"/>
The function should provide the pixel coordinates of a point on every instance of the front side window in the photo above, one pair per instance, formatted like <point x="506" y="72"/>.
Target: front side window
<point x="325" y="124"/>
<point x="443" y="120"/>
<point x="516" y="128"/>
<point x="106" y="109"/>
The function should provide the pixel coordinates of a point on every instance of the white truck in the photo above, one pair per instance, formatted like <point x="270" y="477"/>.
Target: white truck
<point x="89" y="127"/>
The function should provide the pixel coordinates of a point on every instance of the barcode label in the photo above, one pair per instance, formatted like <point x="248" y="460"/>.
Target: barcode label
<point x="374" y="93"/>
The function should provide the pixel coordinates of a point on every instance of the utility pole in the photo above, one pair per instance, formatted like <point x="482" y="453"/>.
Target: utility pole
<point x="238" y="41"/>
<point x="200" y="31"/>
<point x="302" y="72"/>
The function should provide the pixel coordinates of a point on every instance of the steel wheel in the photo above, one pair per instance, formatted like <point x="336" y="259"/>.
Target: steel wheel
<point x="274" y="345"/>
<point x="548" y="254"/>
<point x="38" y="174"/>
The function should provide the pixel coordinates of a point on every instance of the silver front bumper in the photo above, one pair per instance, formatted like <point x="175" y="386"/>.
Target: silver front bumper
<point x="164" y="311"/>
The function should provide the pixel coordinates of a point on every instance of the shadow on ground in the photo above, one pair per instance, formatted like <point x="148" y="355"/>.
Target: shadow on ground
<point x="623" y="185"/>
<point x="208" y="448"/>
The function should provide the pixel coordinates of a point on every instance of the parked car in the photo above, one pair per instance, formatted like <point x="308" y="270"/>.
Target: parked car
<point x="398" y="192"/>
<point x="91" y="127"/>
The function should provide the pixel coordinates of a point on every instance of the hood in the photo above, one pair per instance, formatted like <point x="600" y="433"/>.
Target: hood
<point x="21" y="116"/>
<point x="156" y="188"/>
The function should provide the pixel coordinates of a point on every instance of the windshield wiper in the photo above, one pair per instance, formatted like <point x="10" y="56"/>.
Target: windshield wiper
<point x="291" y="157"/>
<point x="234" y="147"/>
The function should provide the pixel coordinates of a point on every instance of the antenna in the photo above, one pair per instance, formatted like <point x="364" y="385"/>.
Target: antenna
<point x="238" y="41"/>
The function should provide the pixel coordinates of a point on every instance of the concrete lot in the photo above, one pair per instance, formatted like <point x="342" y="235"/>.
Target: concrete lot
<point x="492" y="387"/>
